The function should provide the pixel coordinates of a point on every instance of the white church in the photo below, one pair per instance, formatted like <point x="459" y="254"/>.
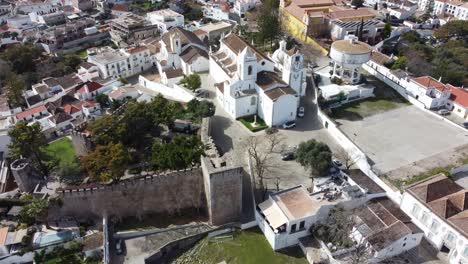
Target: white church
<point x="248" y="82"/>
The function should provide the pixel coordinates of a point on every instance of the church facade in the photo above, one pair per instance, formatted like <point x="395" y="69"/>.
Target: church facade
<point x="250" y="83"/>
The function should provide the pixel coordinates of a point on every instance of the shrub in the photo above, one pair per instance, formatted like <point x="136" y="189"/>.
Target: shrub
<point x="336" y="80"/>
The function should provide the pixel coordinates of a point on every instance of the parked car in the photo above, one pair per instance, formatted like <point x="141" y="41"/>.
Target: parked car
<point x="201" y="93"/>
<point x="289" y="124"/>
<point x="465" y="125"/>
<point x="301" y="112"/>
<point x="337" y="164"/>
<point x="288" y="155"/>
<point x="443" y="112"/>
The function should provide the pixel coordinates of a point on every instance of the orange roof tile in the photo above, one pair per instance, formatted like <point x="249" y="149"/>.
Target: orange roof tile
<point x="31" y="111"/>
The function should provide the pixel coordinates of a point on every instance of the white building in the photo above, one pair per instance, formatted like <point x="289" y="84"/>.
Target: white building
<point x="458" y="102"/>
<point x="242" y="6"/>
<point x="372" y="28"/>
<point x="288" y="215"/>
<point x="182" y="49"/>
<point x="121" y="63"/>
<point x="385" y="229"/>
<point x="429" y="91"/>
<point x="165" y="19"/>
<point x="39" y="7"/>
<point x="217" y="10"/>
<point x="439" y="207"/>
<point x="457" y="9"/>
<point x="348" y="56"/>
<point x="247" y="83"/>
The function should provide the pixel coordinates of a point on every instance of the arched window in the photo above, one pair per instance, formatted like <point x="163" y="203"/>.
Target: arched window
<point x="249" y="70"/>
<point x="253" y="101"/>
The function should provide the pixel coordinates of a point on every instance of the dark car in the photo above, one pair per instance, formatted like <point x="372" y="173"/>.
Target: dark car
<point x="465" y="125"/>
<point x="287" y="155"/>
<point x="289" y="124"/>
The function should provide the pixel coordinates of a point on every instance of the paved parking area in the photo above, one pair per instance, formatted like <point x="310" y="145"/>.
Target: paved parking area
<point x="403" y="136"/>
<point x="230" y="137"/>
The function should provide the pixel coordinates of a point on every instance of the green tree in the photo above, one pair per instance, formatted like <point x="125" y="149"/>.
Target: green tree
<point x="68" y="63"/>
<point x="357" y="3"/>
<point x="106" y="129"/>
<point x="103" y="100"/>
<point x="34" y="210"/>
<point x="123" y="80"/>
<point x="387" y="30"/>
<point x="182" y="152"/>
<point x="197" y="109"/>
<point x="268" y="21"/>
<point x="29" y="142"/>
<point x="21" y="57"/>
<point x="453" y="29"/>
<point x="192" y="81"/>
<point x="14" y="88"/>
<point x="315" y="156"/>
<point x="400" y="63"/>
<point x="107" y="162"/>
<point x="69" y="173"/>
<point x="337" y="228"/>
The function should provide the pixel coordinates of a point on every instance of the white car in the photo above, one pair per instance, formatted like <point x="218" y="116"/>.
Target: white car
<point x="301" y="112"/>
<point x="444" y="112"/>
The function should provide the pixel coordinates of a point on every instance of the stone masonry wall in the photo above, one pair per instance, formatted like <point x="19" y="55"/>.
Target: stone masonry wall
<point x="163" y="193"/>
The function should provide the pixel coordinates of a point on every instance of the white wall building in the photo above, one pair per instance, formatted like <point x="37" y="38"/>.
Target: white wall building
<point x="165" y="19"/>
<point x="39" y="7"/>
<point x="121" y="63"/>
<point x="217" y="11"/>
<point x="458" y="102"/>
<point x="432" y="93"/>
<point x="242" y="6"/>
<point x="247" y="83"/>
<point x="182" y="49"/>
<point x="458" y="9"/>
<point x="439" y="207"/>
<point x="385" y="229"/>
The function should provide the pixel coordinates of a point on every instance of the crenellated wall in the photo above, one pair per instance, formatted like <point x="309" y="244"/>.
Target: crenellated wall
<point x="161" y="193"/>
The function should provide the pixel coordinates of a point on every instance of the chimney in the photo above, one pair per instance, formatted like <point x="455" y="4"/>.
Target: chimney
<point x="440" y="79"/>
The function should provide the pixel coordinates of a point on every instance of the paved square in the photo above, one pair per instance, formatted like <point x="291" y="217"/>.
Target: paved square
<point x="402" y="136"/>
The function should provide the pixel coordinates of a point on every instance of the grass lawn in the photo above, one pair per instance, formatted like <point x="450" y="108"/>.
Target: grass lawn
<point x="385" y="99"/>
<point x="82" y="53"/>
<point x="248" y="122"/>
<point x="248" y="246"/>
<point x="62" y="150"/>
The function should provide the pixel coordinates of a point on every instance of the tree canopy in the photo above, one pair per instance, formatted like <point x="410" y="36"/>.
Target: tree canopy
<point x="107" y="162"/>
<point x="192" y="81"/>
<point x="29" y="142"/>
<point x="315" y="156"/>
<point x="357" y="3"/>
<point x="34" y="210"/>
<point x="453" y="29"/>
<point x="268" y="21"/>
<point x="182" y="152"/>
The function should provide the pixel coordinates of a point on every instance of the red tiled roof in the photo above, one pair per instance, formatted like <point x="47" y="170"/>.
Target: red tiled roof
<point x="92" y="86"/>
<point x="89" y="103"/>
<point x="459" y="95"/>
<point x="122" y="8"/>
<point x="136" y="49"/>
<point x="429" y="82"/>
<point x="70" y="109"/>
<point x="31" y="111"/>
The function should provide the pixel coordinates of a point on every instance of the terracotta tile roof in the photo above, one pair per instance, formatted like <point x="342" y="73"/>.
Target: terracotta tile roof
<point x="87" y="65"/>
<point x="266" y="80"/>
<point x="137" y="49"/>
<point x="352" y="14"/>
<point x="220" y="87"/>
<point x="380" y="58"/>
<point x="60" y="118"/>
<point x="313" y="2"/>
<point x="122" y="8"/>
<point x="186" y="38"/>
<point x="173" y="73"/>
<point x="238" y="44"/>
<point x="458" y="95"/>
<point x="71" y="109"/>
<point x="429" y="82"/>
<point x="192" y="53"/>
<point x="31" y="111"/>
<point x="385" y="222"/>
<point x="224" y="6"/>
<point x="444" y="198"/>
<point x="92" y="86"/>
<point x="276" y="93"/>
<point x="364" y="181"/>
<point x="89" y="103"/>
<point x="296" y="11"/>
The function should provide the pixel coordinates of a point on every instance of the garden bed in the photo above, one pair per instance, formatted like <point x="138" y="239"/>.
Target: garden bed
<point x="248" y="123"/>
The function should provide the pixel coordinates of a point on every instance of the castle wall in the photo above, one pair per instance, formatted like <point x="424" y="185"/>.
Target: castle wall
<point x="163" y="193"/>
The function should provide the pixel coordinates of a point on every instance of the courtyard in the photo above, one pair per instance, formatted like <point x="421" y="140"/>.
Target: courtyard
<point x="62" y="150"/>
<point x="403" y="136"/>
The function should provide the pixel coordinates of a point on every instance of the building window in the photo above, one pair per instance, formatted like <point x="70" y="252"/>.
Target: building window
<point x="450" y="237"/>
<point x="297" y="58"/>
<point x="416" y="209"/>
<point x="249" y="70"/>
<point x="404" y="244"/>
<point x="301" y="225"/>
<point x="253" y="101"/>
<point x="293" y="228"/>
<point x="434" y="226"/>
<point x="425" y="218"/>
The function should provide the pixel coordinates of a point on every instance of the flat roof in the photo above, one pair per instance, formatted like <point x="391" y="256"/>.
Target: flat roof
<point x="296" y="202"/>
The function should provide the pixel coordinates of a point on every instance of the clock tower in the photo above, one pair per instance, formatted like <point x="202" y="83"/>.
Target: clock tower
<point x="293" y="70"/>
